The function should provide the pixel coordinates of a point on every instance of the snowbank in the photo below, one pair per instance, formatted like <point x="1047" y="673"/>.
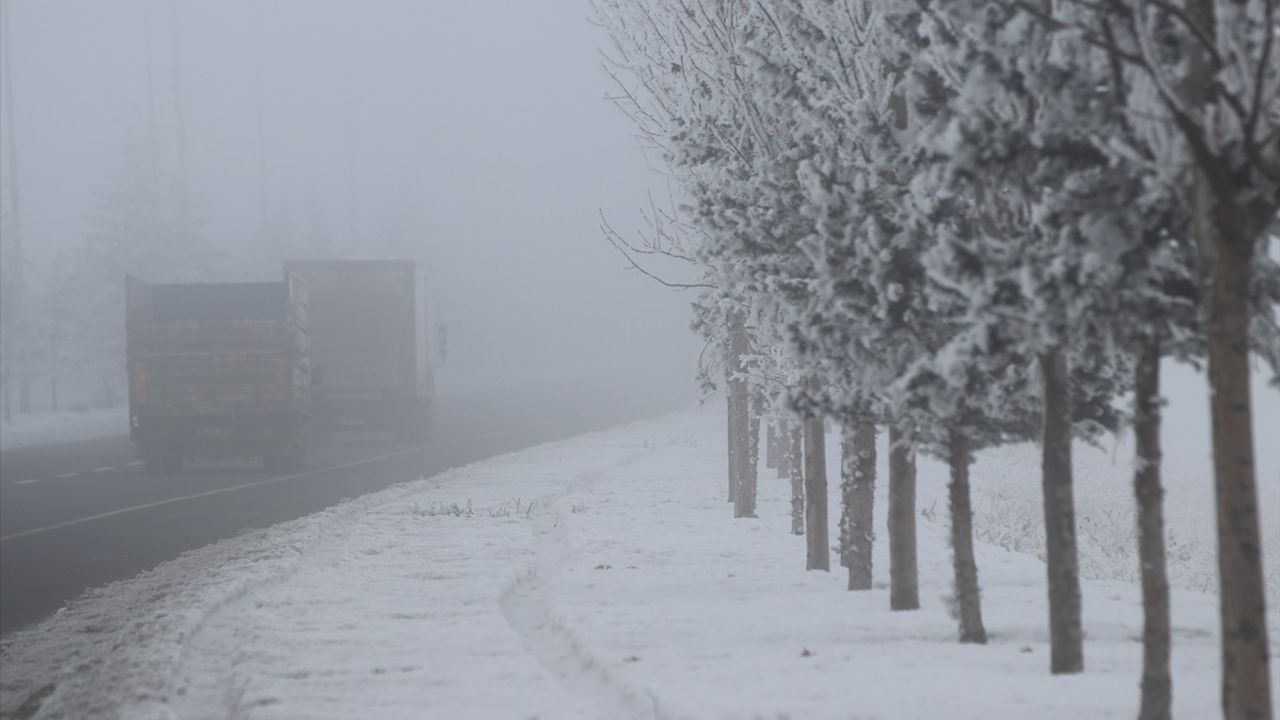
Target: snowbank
<point x="600" y="577"/>
<point x="51" y="428"/>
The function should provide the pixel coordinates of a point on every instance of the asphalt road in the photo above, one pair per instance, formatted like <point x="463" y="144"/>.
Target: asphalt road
<point x="79" y="515"/>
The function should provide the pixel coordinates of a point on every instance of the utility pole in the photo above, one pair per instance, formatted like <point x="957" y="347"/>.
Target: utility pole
<point x="153" y="135"/>
<point x="175" y="36"/>
<point x="353" y="165"/>
<point x="262" y="135"/>
<point x="15" y="208"/>
<point x="353" y="161"/>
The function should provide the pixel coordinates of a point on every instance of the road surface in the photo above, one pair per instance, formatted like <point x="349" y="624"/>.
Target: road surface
<point x="80" y="515"/>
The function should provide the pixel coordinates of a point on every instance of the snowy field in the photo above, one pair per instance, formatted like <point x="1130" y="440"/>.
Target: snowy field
<point x="604" y="577"/>
<point x="48" y="428"/>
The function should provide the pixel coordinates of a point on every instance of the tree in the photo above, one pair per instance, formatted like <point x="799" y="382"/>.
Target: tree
<point x="686" y="94"/>
<point x="1028" y="284"/>
<point x="1206" y="71"/>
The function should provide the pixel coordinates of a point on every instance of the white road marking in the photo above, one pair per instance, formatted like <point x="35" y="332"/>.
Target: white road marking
<point x="135" y="463"/>
<point x="102" y="469"/>
<point x="272" y="480"/>
<point x="64" y="476"/>
<point x="27" y="482"/>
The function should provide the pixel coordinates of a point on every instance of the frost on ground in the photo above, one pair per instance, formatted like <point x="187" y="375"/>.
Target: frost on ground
<point x="50" y="428"/>
<point x="601" y="577"/>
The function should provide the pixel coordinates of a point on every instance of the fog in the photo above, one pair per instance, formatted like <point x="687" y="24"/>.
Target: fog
<point x="474" y="137"/>
<point x="356" y="493"/>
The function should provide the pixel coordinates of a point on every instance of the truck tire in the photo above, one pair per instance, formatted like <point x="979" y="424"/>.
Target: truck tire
<point x="296" y="454"/>
<point x="287" y="457"/>
<point x="414" y="428"/>
<point x="320" y="432"/>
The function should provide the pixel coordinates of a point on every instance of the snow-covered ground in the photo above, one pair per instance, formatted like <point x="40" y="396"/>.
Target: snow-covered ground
<point x="49" y="428"/>
<point x="599" y="577"/>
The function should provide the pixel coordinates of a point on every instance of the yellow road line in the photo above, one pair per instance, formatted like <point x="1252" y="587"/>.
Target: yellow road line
<point x="259" y="483"/>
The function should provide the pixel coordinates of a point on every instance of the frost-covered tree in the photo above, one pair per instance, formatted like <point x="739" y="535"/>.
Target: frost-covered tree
<point x="686" y="89"/>
<point x="1017" y="273"/>
<point x="1222" y="94"/>
<point x="828" y="68"/>
<point x="1207" y="71"/>
<point x="734" y="360"/>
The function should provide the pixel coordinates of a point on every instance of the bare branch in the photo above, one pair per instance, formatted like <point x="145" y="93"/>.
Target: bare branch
<point x="627" y="250"/>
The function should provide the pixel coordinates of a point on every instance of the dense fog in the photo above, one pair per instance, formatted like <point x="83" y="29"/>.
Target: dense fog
<point x="639" y="359"/>
<point x="473" y="137"/>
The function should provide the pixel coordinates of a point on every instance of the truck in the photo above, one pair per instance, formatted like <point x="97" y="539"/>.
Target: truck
<point x="372" y="346"/>
<point x="217" y="370"/>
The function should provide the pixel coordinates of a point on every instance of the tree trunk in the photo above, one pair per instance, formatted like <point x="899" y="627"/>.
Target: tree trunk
<point x="1066" y="638"/>
<point x="968" y="595"/>
<point x="1156" y="682"/>
<point x="795" y="467"/>
<point x="1246" y="688"/>
<point x="729" y="441"/>
<point x="784" y="449"/>
<point x="745" y="450"/>
<point x="818" y="556"/>
<point x="858" y="486"/>
<point x="1225" y="241"/>
<point x="904" y="581"/>
<point x="771" y="445"/>
<point x="750" y="475"/>
<point x="846" y="493"/>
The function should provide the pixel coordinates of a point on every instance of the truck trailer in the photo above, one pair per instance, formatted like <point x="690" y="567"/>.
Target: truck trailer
<point x="372" y="348"/>
<point x="218" y="371"/>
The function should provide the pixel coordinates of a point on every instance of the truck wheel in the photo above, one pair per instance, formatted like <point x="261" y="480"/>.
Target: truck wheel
<point x="291" y="456"/>
<point x="413" y="429"/>
<point x="320" y="433"/>
<point x="402" y="433"/>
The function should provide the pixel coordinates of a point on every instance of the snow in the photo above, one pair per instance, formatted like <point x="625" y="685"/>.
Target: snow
<point x="598" y="577"/>
<point x="51" y="428"/>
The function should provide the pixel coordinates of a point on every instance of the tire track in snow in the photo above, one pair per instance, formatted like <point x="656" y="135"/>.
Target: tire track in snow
<point x="205" y="680"/>
<point x="526" y="604"/>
